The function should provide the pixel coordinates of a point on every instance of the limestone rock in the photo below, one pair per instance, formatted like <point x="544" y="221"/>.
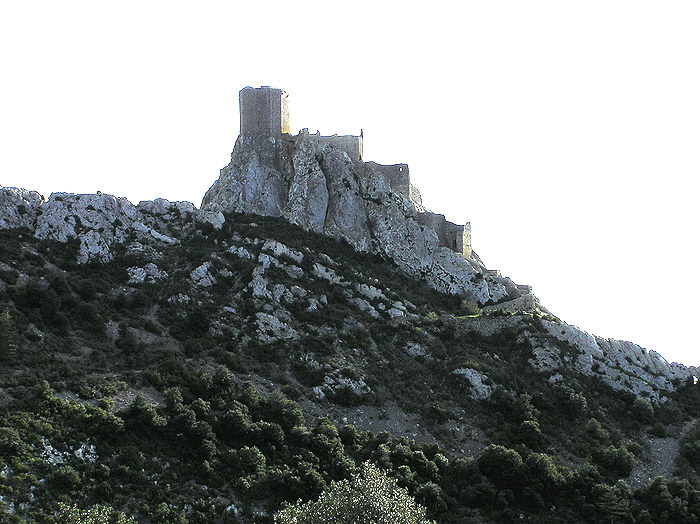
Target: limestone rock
<point x="160" y="213"/>
<point x="346" y="215"/>
<point x="335" y="383"/>
<point x="96" y="220"/>
<point x="19" y="207"/>
<point x="527" y="303"/>
<point x="308" y="193"/>
<point x="255" y="181"/>
<point x="478" y="381"/>
<point x="258" y="284"/>
<point x="280" y="250"/>
<point x="270" y="328"/>
<point x="621" y="364"/>
<point x="365" y="306"/>
<point x="201" y="275"/>
<point x="148" y="273"/>
<point x="326" y="273"/>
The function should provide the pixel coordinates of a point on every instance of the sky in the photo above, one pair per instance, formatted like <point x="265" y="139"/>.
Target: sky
<point x="566" y="132"/>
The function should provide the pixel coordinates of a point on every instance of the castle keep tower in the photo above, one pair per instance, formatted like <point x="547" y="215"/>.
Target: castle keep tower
<point x="264" y="111"/>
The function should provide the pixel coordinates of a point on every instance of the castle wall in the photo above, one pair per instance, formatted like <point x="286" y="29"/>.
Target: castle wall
<point x="456" y="237"/>
<point x="351" y="144"/>
<point x="397" y="176"/>
<point x="437" y="223"/>
<point x="460" y="237"/>
<point x="264" y="111"/>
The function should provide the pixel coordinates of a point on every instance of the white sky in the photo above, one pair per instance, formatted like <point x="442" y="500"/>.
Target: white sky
<point x="567" y="132"/>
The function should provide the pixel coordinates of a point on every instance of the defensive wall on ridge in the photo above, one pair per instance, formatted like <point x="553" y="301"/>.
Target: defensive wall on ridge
<point x="351" y="144"/>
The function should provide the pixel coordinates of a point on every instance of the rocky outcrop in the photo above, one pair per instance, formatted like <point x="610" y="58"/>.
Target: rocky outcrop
<point x="386" y="221"/>
<point x="99" y="221"/>
<point x="19" y="207"/>
<point x="558" y="349"/>
<point x="96" y="220"/>
<point x="621" y="364"/>
<point x="327" y="192"/>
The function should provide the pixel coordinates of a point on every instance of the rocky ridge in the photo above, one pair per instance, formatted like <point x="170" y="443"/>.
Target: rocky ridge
<point x="97" y="221"/>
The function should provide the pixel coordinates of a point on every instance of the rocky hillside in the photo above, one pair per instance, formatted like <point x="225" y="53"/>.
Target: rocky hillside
<point x="176" y="364"/>
<point x="186" y="365"/>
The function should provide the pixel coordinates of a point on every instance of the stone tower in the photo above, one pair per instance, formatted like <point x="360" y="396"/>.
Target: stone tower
<point x="264" y="111"/>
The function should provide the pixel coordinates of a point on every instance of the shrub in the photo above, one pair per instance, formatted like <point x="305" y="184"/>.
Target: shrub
<point x="287" y="413"/>
<point x="9" y="338"/>
<point x="643" y="411"/>
<point x="614" y="462"/>
<point x="369" y="496"/>
<point x="501" y="465"/>
<point x="658" y="430"/>
<point x="247" y="460"/>
<point x="438" y="413"/>
<point x="64" y="478"/>
<point x="94" y="515"/>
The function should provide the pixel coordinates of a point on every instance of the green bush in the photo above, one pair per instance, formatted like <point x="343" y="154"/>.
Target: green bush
<point x="502" y="466"/>
<point x="370" y="496"/>
<point x="614" y="462"/>
<point x="71" y="514"/>
<point x="643" y="411"/>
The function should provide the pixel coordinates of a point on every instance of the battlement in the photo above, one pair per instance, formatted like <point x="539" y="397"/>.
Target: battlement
<point x="264" y="111"/>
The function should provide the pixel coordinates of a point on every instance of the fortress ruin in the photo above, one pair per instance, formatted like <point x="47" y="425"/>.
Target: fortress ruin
<point x="264" y="111"/>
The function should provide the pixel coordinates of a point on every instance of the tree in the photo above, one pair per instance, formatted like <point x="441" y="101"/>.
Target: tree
<point x="370" y="496"/>
<point x="643" y="411"/>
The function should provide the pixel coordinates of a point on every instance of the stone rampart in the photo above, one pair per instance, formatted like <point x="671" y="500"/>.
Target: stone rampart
<point x="397" y="175"/>
<point x="452" y="236"/>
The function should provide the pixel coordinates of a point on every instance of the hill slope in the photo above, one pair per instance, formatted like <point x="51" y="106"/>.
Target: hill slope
<point x="204" y="367"/>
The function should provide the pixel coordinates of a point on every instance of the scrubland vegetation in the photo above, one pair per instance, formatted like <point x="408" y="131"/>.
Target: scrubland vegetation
<point x="121" y="402"/>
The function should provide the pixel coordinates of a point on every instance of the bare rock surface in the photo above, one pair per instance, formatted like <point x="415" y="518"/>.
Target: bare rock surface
<point x="477" y="380"/>
<point x="19" y="207"/>
<point x="98" y="221"/>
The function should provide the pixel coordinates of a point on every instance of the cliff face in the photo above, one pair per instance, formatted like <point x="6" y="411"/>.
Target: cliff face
<point x="326" y="192"/>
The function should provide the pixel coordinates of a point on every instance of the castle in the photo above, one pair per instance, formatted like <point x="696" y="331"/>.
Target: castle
<point x="264" y="111"/>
